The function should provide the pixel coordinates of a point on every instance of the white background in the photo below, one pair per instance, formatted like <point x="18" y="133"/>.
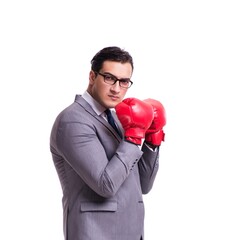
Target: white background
<point x="187" y="54"/>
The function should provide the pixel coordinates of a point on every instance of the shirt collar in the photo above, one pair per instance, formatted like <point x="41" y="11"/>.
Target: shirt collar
<point x="97" y="107"/>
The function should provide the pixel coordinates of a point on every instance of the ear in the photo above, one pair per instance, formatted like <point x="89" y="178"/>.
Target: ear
<point x="92" y="77"/>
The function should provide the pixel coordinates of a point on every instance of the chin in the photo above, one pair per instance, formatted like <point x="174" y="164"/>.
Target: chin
<point x="113" y="104"/>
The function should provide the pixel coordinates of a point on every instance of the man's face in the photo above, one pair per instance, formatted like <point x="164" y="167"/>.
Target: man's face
<point x="109" y="95"/>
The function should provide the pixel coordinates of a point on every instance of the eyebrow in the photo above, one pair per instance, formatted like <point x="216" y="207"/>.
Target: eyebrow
<point x="108" y="73"/>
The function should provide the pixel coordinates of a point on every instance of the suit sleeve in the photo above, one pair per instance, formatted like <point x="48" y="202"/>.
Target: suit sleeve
<point x="82" y="149"/>
<point x="148" y="168"/>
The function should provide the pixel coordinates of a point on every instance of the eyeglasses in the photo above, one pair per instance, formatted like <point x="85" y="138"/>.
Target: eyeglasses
<point x="111" y="79"/>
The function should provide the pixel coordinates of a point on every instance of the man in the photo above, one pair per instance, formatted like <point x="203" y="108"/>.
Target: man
<point x="104" y="172"/>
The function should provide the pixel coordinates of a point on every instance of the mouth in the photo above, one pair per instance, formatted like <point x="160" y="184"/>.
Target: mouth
<point x="113" y="98"/>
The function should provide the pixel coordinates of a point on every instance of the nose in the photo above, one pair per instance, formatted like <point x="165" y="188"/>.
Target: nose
<point x="115" y="87"/>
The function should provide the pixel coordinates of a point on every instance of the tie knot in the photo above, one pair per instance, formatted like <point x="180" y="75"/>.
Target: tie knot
<point x="107" y="111"/>
<point x="109" y="116"/>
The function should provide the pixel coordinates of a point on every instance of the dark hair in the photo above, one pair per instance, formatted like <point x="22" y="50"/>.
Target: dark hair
<point x="115" y="54"/>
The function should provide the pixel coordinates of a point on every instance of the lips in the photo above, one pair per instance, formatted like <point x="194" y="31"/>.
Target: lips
<point x="114" y="98"/>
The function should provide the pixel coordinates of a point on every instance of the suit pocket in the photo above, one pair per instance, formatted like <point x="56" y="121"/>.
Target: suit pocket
<point x="107" y="206"/>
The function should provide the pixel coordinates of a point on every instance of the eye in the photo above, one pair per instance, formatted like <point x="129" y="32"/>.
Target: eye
<point x="109" y="78"/>
<point x="124" y="82"/>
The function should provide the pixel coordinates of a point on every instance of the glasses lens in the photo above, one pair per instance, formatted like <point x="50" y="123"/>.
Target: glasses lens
<point x="125" y="83"/>
<point x="109" y="79"/>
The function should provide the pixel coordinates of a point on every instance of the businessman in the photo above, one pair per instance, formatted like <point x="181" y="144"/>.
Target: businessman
<point x="105" y="149"/>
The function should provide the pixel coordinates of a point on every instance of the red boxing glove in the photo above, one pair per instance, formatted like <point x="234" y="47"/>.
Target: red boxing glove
<point x="155" y="134"/>
<point x="136" y="117"/>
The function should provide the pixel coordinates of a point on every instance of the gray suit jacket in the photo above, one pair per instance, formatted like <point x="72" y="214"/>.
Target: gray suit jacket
<point x="102" y="176"/>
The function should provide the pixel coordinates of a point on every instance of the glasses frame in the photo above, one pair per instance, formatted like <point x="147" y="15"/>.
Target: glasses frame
<point x="115" y="79"/>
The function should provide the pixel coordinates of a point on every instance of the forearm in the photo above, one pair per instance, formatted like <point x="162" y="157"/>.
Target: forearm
<point x="89" y="160"/>
<point x="148" y="168"/>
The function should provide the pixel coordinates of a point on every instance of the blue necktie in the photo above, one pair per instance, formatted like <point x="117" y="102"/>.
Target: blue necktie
<point x="111" y="121"/>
